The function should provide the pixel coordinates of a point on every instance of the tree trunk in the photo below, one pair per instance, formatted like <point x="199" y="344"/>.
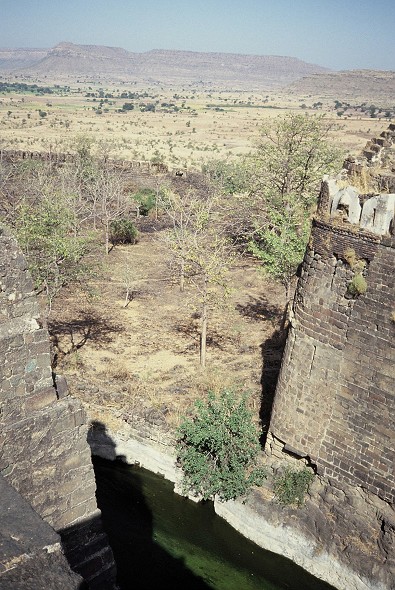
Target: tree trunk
<point x="107" y="237"/>
<point x="127" y="297"/>
<point x="182" y="276"/>
<point x="203" y="334"/>
<point x="203" y="337"/>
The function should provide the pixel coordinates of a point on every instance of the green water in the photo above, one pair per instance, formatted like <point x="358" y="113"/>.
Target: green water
<point x="163" y="541"/>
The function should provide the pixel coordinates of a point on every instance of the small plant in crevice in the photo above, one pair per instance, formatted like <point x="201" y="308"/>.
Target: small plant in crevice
<point x="357" y="286"/>
<point x="291" y="486"/>
<point x="350" y="256"/>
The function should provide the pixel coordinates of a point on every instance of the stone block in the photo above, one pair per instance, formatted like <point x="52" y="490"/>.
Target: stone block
<point x="40" y="399"/>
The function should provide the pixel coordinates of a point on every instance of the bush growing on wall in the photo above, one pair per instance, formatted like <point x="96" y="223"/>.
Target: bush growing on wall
<point x="292" y="485"/>
<point x="357" y="286"/>
<point x="218" y="449"/>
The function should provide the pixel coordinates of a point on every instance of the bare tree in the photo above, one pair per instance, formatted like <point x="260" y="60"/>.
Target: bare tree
<point x="200" y="253"/>
<point x="108" y="200"/>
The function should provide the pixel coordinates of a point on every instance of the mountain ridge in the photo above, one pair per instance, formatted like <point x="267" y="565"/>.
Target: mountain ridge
<point x="162" y="65"/>
<point x="347" y="85"/>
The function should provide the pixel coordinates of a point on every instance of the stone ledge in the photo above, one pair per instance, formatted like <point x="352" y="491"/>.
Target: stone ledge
<point x="29" y="548"/>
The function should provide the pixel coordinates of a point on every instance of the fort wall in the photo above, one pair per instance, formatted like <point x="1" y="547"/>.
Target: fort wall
<point x="44" y="454"/>
<point x="335" y="398"/>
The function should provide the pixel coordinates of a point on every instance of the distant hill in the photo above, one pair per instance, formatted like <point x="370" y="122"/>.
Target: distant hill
<point x="11" y="59"/>
<point x="364" y="85"/>
<point x="163" y="66"/>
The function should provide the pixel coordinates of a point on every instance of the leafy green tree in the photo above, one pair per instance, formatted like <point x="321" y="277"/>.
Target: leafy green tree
<point x="145" y="199"/>
<point x="123" y="231"/>
<point x="128" y="106"/>
<point x="231" y="176"/>
<point x="54" y="254"/>
<point x="292" y="155"/>
<point x="280" y="242"/>
<point x="218" y="449"/>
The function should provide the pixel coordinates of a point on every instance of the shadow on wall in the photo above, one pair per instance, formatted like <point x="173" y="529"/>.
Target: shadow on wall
<point x="99" y="572"/>
<point x="272" y="353"/>
<point x="258" y="309"/>
<point x="127" y="519"/>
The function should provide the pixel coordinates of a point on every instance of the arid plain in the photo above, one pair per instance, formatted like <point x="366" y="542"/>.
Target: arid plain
<point x="183" y="127"/>
<point x="144" y="358"/>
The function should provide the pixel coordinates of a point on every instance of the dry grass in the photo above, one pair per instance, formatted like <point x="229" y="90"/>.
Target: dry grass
<point x="208" y="124"/>
<point x="152" y="361"/>
<point x="365" y="182"/>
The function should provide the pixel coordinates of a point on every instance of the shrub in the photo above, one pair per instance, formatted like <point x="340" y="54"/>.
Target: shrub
<point x="355" y="263"/>
<point x="145" y="198"/>
<point x="218" y="448"/>
<point x="292" y="486"/>
<point x="357" y="286"/>
<point x="350" y="256"/>
<point x="123" y="231"/>
<point x="128" y="106"/>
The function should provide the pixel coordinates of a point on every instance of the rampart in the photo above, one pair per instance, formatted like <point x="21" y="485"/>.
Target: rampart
<point x="335" y="398"/>
<point x="59" y="158"/>
<point x="44" y="453"/>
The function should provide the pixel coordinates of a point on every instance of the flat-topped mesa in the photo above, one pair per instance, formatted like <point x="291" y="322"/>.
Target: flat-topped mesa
<point x="360" y="212"/>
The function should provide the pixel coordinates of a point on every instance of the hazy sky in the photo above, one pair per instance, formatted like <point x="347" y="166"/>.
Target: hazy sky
<point x="339" y="34"/>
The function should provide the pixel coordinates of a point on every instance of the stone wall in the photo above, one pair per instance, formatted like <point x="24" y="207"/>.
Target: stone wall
<point x="335" y="399"/>
<point x="30" y="550"/>
<point x="58" y="158"/>
<point x="378" y="156"/>
<point x="44" y="453"/>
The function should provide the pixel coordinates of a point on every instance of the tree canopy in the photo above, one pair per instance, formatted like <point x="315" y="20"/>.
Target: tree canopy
<point x="292" y="155"/>
<point x="218" y="448"/>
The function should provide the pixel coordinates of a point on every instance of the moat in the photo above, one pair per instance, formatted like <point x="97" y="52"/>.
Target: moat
<point x="161" y="540"/>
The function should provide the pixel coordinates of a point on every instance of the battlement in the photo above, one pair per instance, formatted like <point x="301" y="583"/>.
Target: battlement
<point x="346" y="206"/>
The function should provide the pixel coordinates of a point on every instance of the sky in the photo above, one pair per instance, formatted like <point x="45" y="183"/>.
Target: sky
<point x="346" y="34"/>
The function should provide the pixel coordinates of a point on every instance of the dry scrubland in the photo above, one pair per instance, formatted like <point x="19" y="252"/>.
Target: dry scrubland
<point x="144" y="358"/>
<point x="187" y="128"/>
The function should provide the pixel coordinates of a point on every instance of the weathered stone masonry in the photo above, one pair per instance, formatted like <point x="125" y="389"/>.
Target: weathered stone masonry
<point x="44" y="454"/>
<point x="335" y="399"/>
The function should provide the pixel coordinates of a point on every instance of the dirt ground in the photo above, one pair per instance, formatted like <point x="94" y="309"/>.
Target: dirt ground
<point x="208" y="125"/>
<point x="144" y="358"/>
